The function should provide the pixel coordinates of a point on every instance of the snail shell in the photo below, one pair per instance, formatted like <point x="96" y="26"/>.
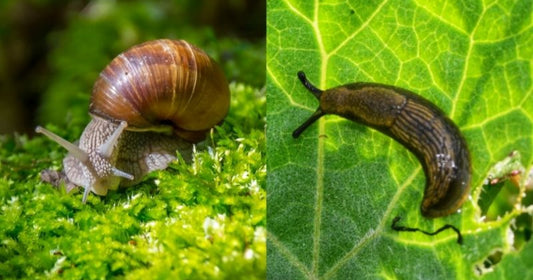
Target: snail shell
<point x="163" y="82"/>
<point x="151" y="100"/>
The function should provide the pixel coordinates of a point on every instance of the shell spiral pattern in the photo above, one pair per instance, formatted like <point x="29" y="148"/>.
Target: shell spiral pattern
<point x="163" y="82"/>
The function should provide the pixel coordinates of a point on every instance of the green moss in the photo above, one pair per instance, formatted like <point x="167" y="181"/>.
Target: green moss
<point x="206" y="219"/>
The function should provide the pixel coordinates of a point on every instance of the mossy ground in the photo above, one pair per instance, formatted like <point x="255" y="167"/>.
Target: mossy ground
<point x="202" y="220"/>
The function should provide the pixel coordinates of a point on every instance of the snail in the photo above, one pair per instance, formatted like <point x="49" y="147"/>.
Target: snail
<point x="151" y="100"/>
<point x="414" y="122"/>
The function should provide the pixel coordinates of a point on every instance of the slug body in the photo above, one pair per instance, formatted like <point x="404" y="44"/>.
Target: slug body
<point x="151" y="100"/>
<point x="415" y="123"/>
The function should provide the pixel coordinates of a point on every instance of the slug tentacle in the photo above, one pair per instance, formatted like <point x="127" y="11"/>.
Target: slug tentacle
<point x="314" y="117"/>
<point x="315" y="91"/>
<point x="414" y="122"/>
<point x="318" y="113"/>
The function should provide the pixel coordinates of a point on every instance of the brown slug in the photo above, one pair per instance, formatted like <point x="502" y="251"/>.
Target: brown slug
<point x="414" y="122"/>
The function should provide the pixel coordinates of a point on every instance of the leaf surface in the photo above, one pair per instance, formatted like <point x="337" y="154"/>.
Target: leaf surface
<point x="333" y="192"/>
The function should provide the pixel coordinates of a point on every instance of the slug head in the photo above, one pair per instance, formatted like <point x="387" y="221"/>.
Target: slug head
<point x="372" y="104"/>
<point x="317" y="114"/>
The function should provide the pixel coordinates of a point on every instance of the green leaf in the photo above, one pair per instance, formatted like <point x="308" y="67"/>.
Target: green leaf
<point x="333" y="192"/>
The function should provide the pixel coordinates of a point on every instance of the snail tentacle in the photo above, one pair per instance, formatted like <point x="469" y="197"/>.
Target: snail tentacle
<point x="86" y="190"/>
<point x="120" y="173"/>
<point x="106" y="148"/>
<point x="73" y="149"/>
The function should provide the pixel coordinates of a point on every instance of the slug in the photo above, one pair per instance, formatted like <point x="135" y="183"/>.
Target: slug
<point x="414" y="122"/>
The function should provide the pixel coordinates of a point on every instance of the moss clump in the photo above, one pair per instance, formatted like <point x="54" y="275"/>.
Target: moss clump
<point x="201" y="220"/>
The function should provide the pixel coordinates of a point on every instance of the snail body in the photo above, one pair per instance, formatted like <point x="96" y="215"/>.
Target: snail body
<point x="151" y="100"/>
<point x="414" y="122"/>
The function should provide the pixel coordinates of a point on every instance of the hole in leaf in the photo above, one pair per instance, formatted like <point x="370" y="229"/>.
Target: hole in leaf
<point x="529" y="181"/>
<point x="487" y="265"/>
<point x="522" y="230"/>
<point x="501" y="189"/>
<point x="497" y="200"/>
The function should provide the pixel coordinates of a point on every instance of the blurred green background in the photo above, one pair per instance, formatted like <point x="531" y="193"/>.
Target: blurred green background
<point x="202" y="220"/>
<point x="51" y="52"/>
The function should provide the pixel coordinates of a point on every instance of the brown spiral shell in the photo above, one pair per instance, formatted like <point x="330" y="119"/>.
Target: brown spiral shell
<point x="163" y="82"/>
